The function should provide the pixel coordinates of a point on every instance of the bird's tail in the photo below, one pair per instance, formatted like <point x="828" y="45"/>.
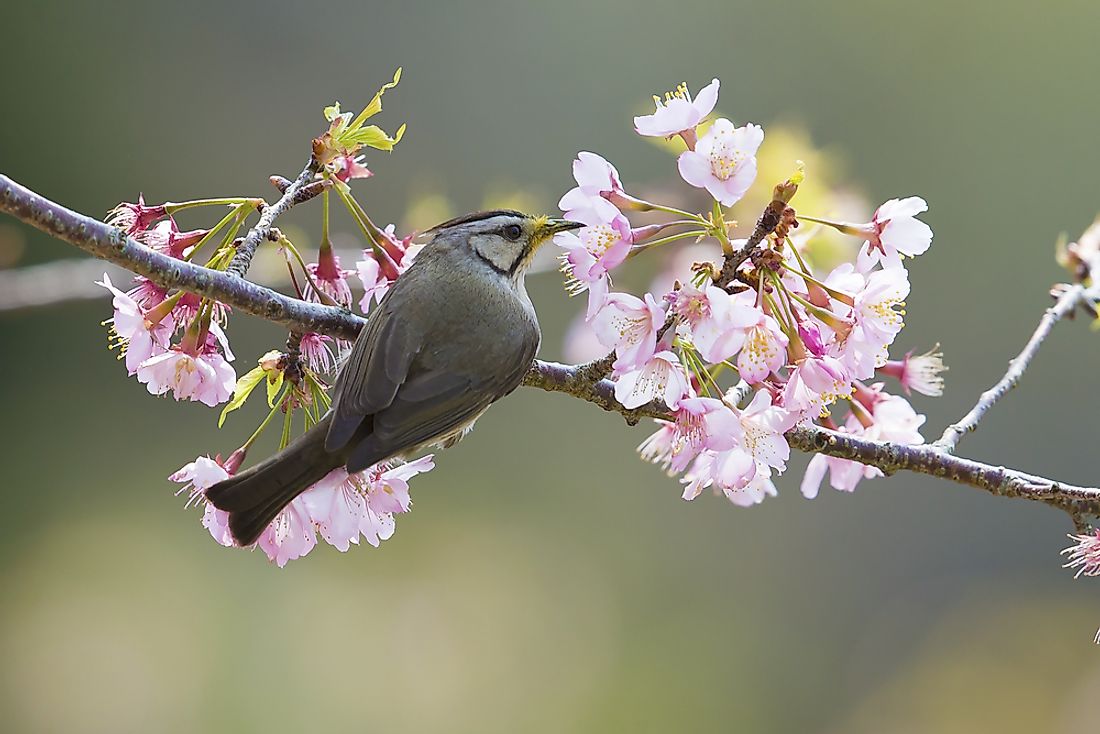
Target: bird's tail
<point x="255" y="496"/>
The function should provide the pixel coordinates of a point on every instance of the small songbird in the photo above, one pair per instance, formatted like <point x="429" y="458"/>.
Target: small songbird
<point x="454" y="334"/>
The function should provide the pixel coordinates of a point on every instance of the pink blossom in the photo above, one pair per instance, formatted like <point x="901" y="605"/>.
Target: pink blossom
<point x="892" y="232"/>
<point x="921" y="372"/>
<point x="815" y="383"/>
<point x="134" y="218"/>
<point x="336" y="504"/>
<point x="330" y="278"/>
<point x="662" y="378"/>
<point x="763" y="425"/>
<point x="346" y="167"/>
<point x="390" y="486"/>
<point x="1084" y="555"/>
<point x="345" y="507"/>
<point x="316" y="352"/>
<point x="877" y="317"/>
<point x="597" y="182"/>
<point x="678" y="112"/>
<point x="166" y="237"/>
<point x="139" y="339"/>
<point x="741" y="467"/>
<point x="844" y="475"/>
<point x="290" y="535"/>
<point x="629" y="325"/>
<point x="375" y="283"/>
<point x="379" y="271"/>
<point x="700" y="423"/>
<point x="716" y="321"/>
<point x="597" y="248"/>
<point x="764" y="350"/>
<point x="206" y="377"/>
<point x="893" y="419"/>
<point x="733" y="473"/>
<point x="754" y="492"/>
<point x="724" y="160"/>
<point x="216" y="523"/>
<point x="148" y="295"/>
<point x="199" y="476"/>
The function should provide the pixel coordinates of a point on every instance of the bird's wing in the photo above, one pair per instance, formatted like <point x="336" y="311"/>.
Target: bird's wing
<point x="431" y="406"/>
<point x="375" y="369"/>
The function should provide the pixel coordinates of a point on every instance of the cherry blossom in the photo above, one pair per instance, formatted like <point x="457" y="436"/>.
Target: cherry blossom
<point x="199" y="476"/>
<point x="763" y="351"/>
<point x="629" y="325"/>
<point x="165" y="236"/>
<point x="892" y="418"/>
<point x="134" y="218"/>
<point x="290" y="535"/>
<point x="717" y="322"/>
<point x="330" y="278"/>
<point x="378" y="270"/>
<point x="661" y="377"/>
<point x="724" y="160"/>
<point x="922" y="372"/>
<point x="678" y="113"/>
<point x="814" y="383"/>
<point x="1084" y="555"/>
<point x="894" y="231"/>
<point x="139" y="338"/>
<point x="346" y="506"/>
<point x="878" y="316"/>
<point x="595" y="249"/>
<point x="316" y="352"/>
<point x="597" y="186"/>
<point x="346" y="167"/>
<point x="701" y="423"/>
<point x="763" y="425"/>
<point x="205" y="377"/>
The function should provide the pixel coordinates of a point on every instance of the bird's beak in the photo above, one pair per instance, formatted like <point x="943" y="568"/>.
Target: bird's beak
<point x="553" y="226"/>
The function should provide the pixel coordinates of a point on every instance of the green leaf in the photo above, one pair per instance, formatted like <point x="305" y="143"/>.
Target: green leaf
<point x="372" y="136"/>
<point x="375" y="105"/>
<point x="274" y="384"/>
<point x="245" y="385"/>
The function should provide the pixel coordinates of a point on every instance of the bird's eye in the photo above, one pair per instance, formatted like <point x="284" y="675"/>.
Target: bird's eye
<point x="513" y="232"/>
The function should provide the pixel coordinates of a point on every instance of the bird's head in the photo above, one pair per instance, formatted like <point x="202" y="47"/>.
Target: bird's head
<point x="504" y="239"/>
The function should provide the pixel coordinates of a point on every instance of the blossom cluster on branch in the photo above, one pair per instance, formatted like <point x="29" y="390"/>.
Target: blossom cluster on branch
<point x="739" y="355"/>
<point x="176" y="342"/>
<point x="802" y="341"/>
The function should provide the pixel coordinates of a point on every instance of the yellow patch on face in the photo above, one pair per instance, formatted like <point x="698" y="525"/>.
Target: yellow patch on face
<point x="540" y="230"/>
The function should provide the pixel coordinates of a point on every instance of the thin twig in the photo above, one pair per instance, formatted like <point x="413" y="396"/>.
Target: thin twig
<point x="239" y="265"/>
<point x="110" y="244"/>
<point x="1065" y="306"/>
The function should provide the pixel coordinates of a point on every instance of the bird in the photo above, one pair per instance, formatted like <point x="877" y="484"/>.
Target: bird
<point x="455" y="333"/>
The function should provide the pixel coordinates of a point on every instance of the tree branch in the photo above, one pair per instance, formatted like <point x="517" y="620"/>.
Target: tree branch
<point x="291" y="194"/>
<point x="110" y="244"/>
<point x="1065" y="306"/>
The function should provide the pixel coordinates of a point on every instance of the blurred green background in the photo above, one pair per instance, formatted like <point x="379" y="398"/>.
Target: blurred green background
<point x="547" y="580"/>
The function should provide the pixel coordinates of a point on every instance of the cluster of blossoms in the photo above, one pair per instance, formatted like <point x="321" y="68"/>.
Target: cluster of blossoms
<point x="343" y="508"/>
<point x="742" y="351"/>
<point x="176" y="342"/>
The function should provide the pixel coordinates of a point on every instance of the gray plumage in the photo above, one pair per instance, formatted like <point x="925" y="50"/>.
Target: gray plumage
<point x="454" y="334"/>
